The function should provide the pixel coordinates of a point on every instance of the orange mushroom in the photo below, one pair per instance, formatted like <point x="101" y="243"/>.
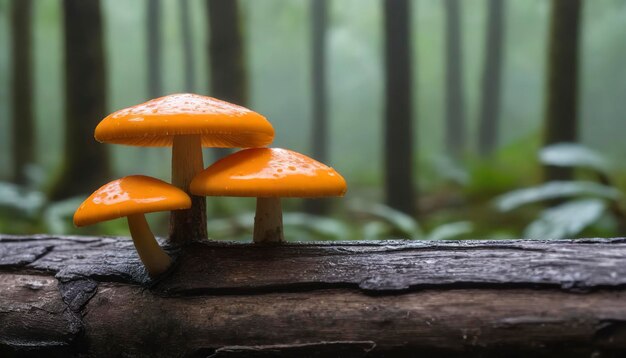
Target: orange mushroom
<point x="132" y="197"/>
<point x="268" y="174"/>
<point x="186" y="122"/>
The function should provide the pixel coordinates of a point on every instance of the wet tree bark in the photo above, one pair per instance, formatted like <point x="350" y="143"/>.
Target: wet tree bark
<point x="153" y="48"/>
<point x="399" y="146"/>
<point x="74" y="296"/>
<point x="492" y="77"/>
<point x="187" y="40"/>
<point x="229" y="77"/>
<point x="455" y="104"/>
<point x="150" y="157"/>
<point x="86" y="163"/>
<point x="319" y="117"/>
<point x="561" y="113"/>
<point x="22" y="89"/>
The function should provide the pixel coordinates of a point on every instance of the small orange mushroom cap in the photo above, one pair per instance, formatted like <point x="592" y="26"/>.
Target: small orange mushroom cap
<point x="268" y="172"/>
<point x="135" y="194"/>
<point x="156" y="122"/>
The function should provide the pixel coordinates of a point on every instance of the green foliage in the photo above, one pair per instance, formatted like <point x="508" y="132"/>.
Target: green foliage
<point x="369" y="221"/>
<point x="21" y="201"/>
<point x="566" y="219"/>
<point x="554" y="190"/>
<point x="381" y="222"/>
<point x="448" y="170"/>
<point x="574" y="155"/>
<point x="58" y="215"/>
<point x="450" y="230"/>
<point x="375" y="230"/>
<point x="511" y="167"/>
<point x="26" y="210"/>
<point x="321" y="227"/>
<point x="300" y="226"/>
<point x="20" y="208"/>
<point x="280" y="89"/>
<point x="587" y="203"/>
<point x="395" y="220"/>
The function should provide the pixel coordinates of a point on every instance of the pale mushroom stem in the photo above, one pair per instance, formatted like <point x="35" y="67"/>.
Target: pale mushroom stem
<point x="151" y="254"/>
<point x="187" y="225"/>
<point x="268" y="221"/>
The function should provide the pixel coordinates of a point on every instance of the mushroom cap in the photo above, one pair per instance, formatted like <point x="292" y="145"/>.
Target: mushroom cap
<point x="135" y="194"/>
<point x="156" y="122"/>
<point x="268" y="172"/>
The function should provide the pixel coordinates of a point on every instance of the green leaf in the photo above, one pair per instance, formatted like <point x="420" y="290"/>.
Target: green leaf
<point x="574" y="155"/>
<point x="565" y="220"/>
<point x="450" y="230"/>
<point x="24" y="200"/>
<point x="376" y="230"/>
<point x="448" y="169"/>
<point x="553" y="190"/>
<point x="58" y="215"/>
<point x="315" y="227"/>
<point x="319" y="226"/>
<point x="396" y="219"/>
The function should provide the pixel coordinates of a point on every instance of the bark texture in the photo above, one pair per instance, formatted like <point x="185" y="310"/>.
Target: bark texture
<point x="22" y="89"/>
<point x="561" y="113"/>
<point x="227" y="64"/>
<point x="70" y="296"/>
<point x="399" y="180"/>
<point x="86" y="162"/>
<point x="492" y="78"/>
<point x="186" y="30"/>
<point x="153" y="30"/>
<point x="455" y="104"/>
<point x="319" y="117"/>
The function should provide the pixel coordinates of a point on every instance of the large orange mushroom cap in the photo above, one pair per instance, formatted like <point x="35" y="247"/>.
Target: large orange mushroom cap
<point x="135" y="194"/>
<point x="154" y="123"/>
<point x="268" y="172"/>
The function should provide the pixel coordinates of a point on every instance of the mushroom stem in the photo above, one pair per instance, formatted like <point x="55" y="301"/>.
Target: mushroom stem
<point x="151" y="254"/>
<point x="187" y="225"/>
<point x="268" y="221"/>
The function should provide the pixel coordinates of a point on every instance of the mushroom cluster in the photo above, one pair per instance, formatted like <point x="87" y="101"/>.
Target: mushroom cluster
<point x="188" y="122"/>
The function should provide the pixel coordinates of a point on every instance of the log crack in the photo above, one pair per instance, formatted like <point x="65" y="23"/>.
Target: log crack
<point x="316" y="349"/>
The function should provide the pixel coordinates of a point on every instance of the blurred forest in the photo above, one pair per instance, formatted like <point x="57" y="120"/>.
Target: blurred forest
<point x="449" y="119"/>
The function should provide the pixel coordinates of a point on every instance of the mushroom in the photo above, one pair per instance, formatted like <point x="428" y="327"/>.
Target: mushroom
<point x="133" y="196"/>
<point x="268" y="174"/>
<point x="186" y="122"/>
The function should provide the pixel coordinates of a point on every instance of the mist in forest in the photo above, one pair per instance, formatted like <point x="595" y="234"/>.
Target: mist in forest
<point x="432" y="110"/>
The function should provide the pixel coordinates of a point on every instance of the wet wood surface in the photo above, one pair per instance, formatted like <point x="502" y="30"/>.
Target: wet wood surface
<point x="79" y="296"/>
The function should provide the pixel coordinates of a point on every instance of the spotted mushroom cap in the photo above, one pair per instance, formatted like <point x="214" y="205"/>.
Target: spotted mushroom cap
<point x="268" y="172"/>
<point x="156" y="122"/>
<point x="135" y="194"/>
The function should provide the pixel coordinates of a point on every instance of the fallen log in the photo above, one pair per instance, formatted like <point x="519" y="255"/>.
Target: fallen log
<point x="78" y="296"/>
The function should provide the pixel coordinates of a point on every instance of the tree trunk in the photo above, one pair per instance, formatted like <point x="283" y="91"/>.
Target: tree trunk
<point x="399" y="184"/>
<point x="74" y="296"/>
<point x="153" y="22"/>
<point x="561" y="113"/>
<point x="22" y="89"/>
<point x="187" y="40"/>
<point x="86" y="162"/>
<point x="319" y="133"/>
<point x="455" y="106"/>
<point x="229" y="78"/>
<point x="492" y="79"/>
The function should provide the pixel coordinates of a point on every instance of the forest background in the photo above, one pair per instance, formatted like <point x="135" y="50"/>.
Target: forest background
<point x="435" y="111"/>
